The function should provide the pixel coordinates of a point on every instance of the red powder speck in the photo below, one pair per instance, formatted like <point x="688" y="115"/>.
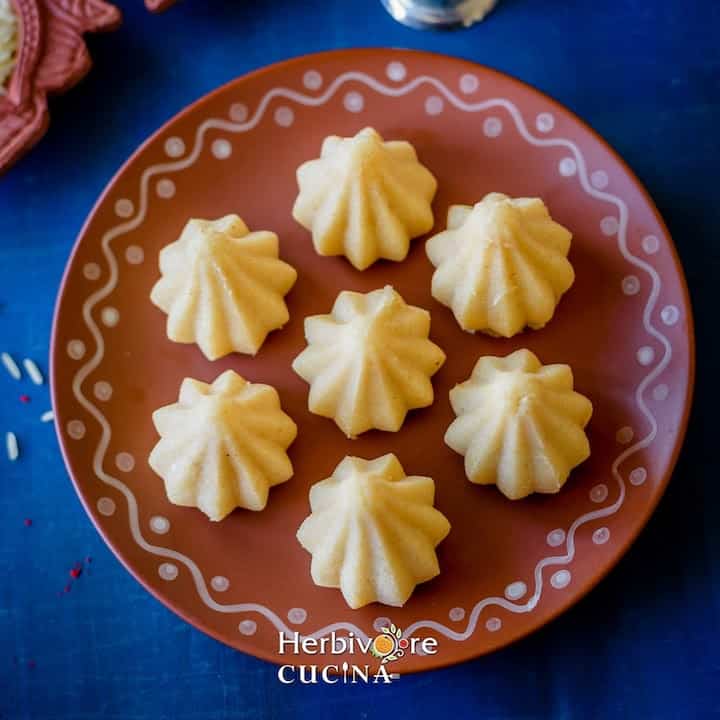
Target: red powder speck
<point x="25" y="399"/>
<point x="68" y="587"/>
<point x="27" y="522"/>
<point x="31" y="664"/>
<point x="76" y="572"/>
<point x="88" y="560"/>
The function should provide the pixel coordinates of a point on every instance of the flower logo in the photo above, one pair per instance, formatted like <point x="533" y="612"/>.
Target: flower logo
<point x="389" y="645"/>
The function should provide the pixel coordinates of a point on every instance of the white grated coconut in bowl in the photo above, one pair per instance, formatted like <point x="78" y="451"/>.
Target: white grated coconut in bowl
<point x="8" y="41"/>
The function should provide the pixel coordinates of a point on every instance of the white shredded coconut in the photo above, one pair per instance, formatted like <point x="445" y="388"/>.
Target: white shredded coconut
<point x="8" y="41"/>
<point x="47" y="416"/>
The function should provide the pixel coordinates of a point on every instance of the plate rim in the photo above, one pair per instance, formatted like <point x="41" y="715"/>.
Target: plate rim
<point x="647" y="509"/>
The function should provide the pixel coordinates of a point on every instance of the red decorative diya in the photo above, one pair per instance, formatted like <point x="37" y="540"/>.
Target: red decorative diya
<point x="51" y="57"/>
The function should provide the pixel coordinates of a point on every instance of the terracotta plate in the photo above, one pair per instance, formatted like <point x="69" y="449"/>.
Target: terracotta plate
<point x="625" y="327"/>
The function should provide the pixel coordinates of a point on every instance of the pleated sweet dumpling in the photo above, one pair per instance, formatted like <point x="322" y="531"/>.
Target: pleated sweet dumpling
<point x="223" y="446"/>
<point x="369" y="361"/>
<point x="501" y="265"/>
<point x="223" y="287"/>
<point x="373" y="531"/>
<point x="520" y="424"/>
<point x="365" y="198"/>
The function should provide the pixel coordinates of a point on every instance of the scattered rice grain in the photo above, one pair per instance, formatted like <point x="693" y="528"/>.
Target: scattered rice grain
<point x="13" y="451"/>
<point x="10" y="365"/>
<point x="33" y="371"/>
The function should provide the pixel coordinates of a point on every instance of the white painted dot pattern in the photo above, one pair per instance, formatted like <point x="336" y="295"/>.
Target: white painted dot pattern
<point x="106" y="506"/>
<point x="492" y="127"/>
<point x="174" y="147"/>
<point x="545" y="122"/>
<point x="76" y="349"/>
<point x="76" y="429"/>
<point x="312" y="80"/>
<point x="284" y="116"/>
<point x="248" y="627"/>
<point x="609" y="225"/>
<point x="124" y="208"/>
<point x="159" y="524"/>
<point x="624" y="435"/>
<point x="434" y="105"/>
<point x="168" y="571"/>
<point x="221" y="149"/>
<point x="638" y="476"/>
<point x="599" y="179"/>
<point x="599" y="493"/>
<point x="650" y="244"/>
<point x="220" y="583"/>
<point x="124" y="461"/>
<point x="669" y="315"/>
<point x="567" y="167"/>
<point x="515" y="590"/>
<point x="297" y="616"/>
<point x="396" y="71"/>
<point x="238" y="112"/>
<point x="102" y="390"/>
<point x="354" y="102"/>
<point x="469" y="83"/>
<point x="134" y="254"/>
<point x="91" y="271"/>
<point x="165" y="188"/>
<point x="561" y="579"/>
<point x="631" y="285"/>
<point x="645" y="355"/>
<point x="601" y="536"/>
<point x="110" y="316"/>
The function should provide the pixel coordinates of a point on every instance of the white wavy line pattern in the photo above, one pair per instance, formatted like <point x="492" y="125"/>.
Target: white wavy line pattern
<point x="302" y="99"/>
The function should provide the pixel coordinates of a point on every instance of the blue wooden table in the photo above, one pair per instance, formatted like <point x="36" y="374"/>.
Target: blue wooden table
<point x="644" y="644"/>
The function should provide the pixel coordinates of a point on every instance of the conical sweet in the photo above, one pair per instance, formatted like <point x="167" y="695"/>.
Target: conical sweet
<point x="501" y="265"/>
<point x="223" y="446"/>
<point x="223" y="286"/>
<point x="365" y="198"/>
<point x="369" y="361"/>
<point x="373" y="531"/>
<point x="520" y="424"/>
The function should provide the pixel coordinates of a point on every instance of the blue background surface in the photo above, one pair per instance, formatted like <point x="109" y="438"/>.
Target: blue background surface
<point x="644" y="644"/>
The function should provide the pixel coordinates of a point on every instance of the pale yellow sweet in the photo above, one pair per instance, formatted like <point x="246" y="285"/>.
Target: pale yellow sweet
<point x="223" y="446"/>
<point x="501" y="265"/>
<point x="365" y="198"/>
<point x="369" y="361"/>
<point x="373" y="531"/>
<point x="520" y="424"/>
<point x="223" y="287"/>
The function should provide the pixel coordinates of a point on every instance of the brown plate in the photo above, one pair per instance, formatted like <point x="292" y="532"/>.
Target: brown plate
<point x="625" y="327"/>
